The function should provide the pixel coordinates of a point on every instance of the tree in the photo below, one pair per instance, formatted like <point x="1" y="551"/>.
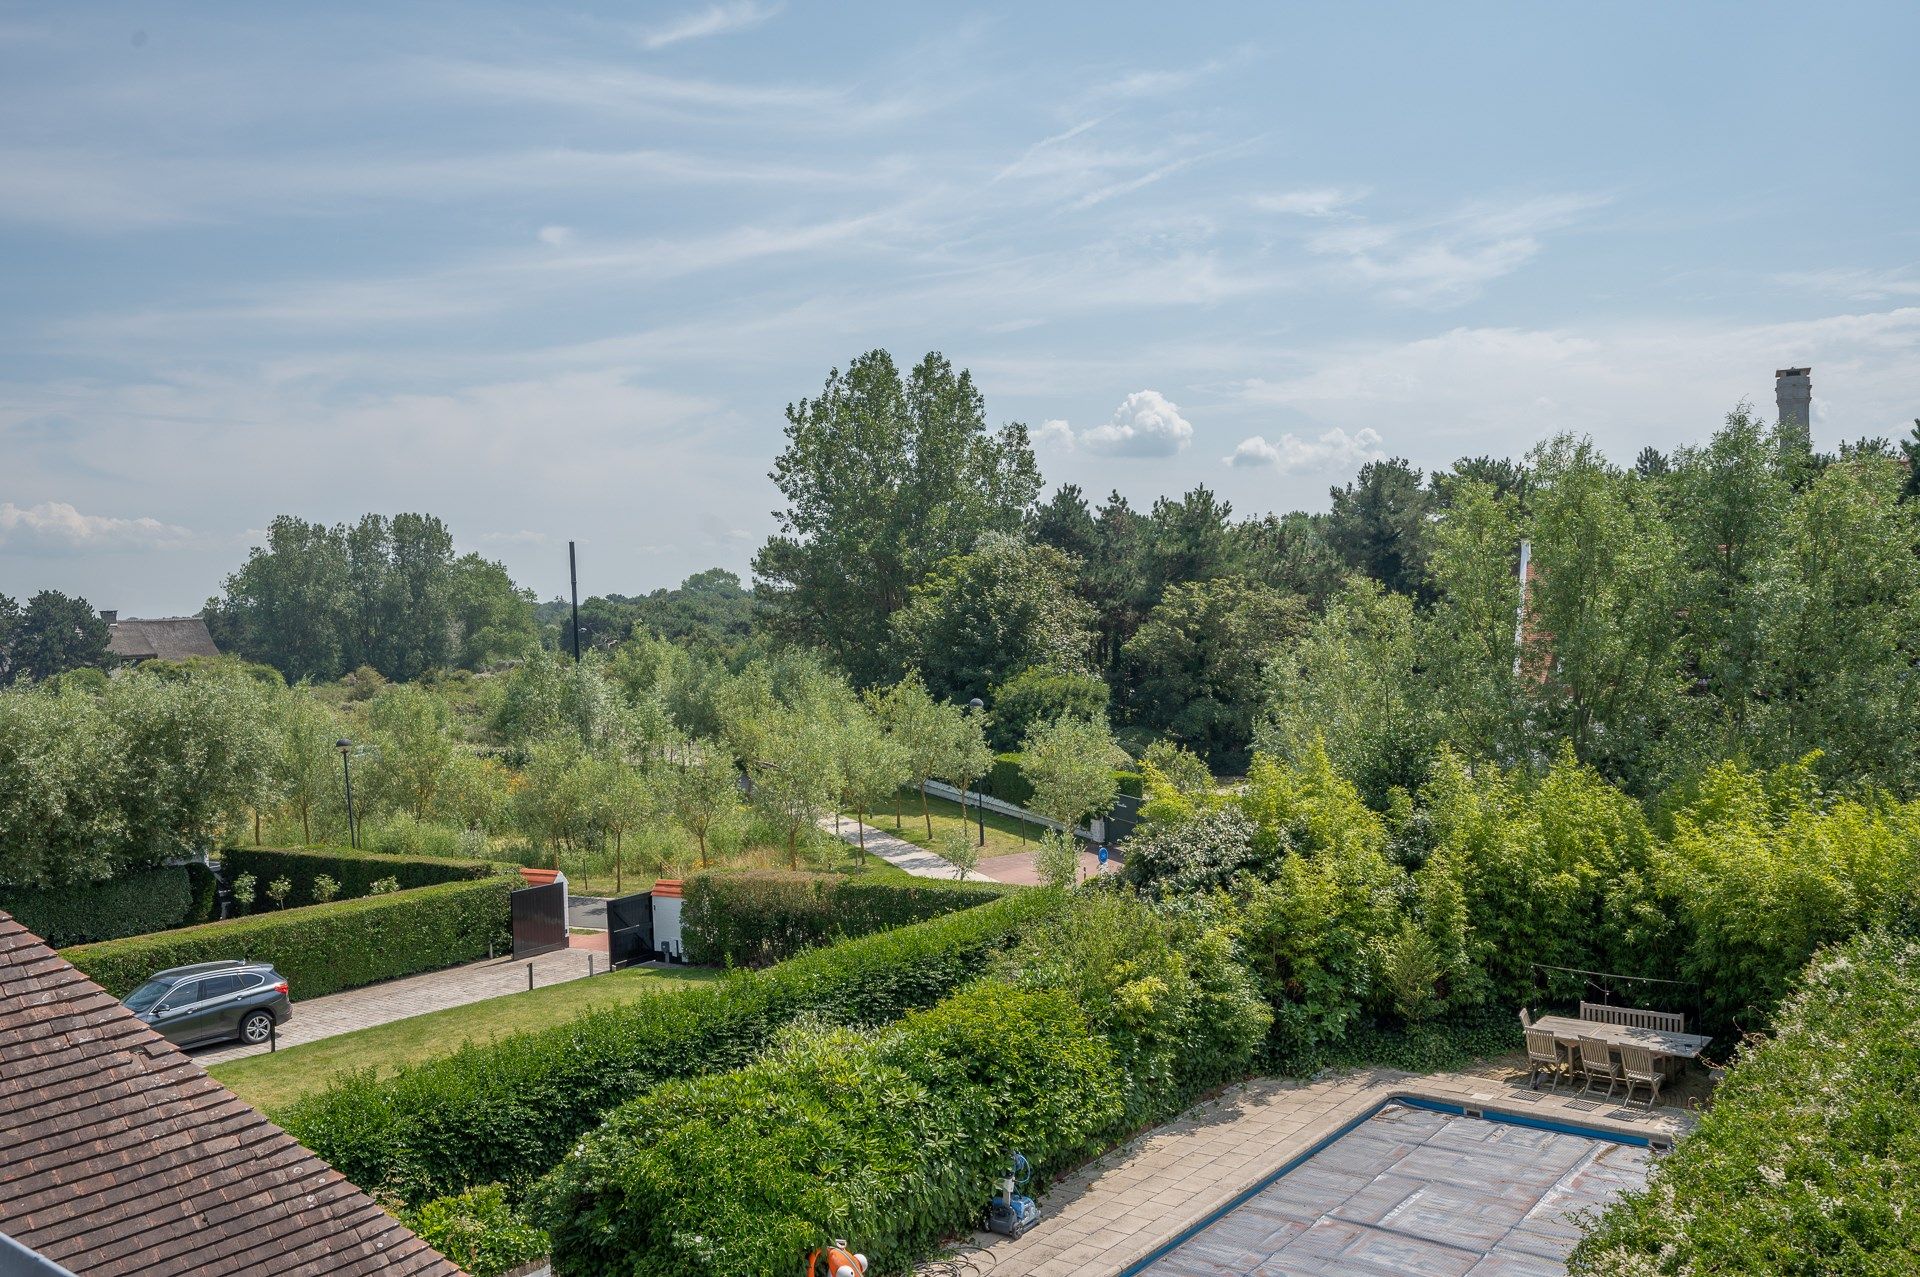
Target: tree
<point x="1353" y="686"/>
<point x="624" y="799"/>
<point x="1378" y="524"/>
<point x="795" y="775"/>
<point x="1008" y="605"/>
<point x="1040" y="694"/>
<point x="1190" y="539"/>
<point x="61" y="820"/>
<point x="1200" y="662"/>
<point x="1290" y="553"/>
<point x="196" y="757"/>
<point x="55" y="633"/>
<point x="703" y="791"/>
<point x="1069" y="764"/>
<point x="305" y="764"/>
<point x="871" y="764"/>
<point x="411" y="727"/>
<point x="968" y="757"/>
<point x="1471" y="635"/>
<point x="316" y="601"/>
<point x="9" y="632"/>
<point x="884" y="477"/>
<point x="926" y="732"/>
<point x="1910" y="453"/>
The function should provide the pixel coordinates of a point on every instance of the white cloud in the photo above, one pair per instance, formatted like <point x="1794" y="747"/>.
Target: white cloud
<point x="715" y="19"/>
<point x="1319" y="201"/>
<point x="1146" y="424"/>
<point x="556" y="236"/>
<point x="56" y="526"/>
<point x="1857" y="285"/>
<point x="1055" y="434"/>
<point x="1334" y="450"/>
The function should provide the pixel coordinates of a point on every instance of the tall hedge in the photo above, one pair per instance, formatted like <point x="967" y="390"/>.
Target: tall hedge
<point x="892" y="1141"/>
<point x="510" y="1109"/>
<point x="135" y="902"/>
<point x="755" y="919"/>
<point x="1806" y="1162"/>
<point x="355" y="871"/>
<point x="1009" y="784"/>
<point x="323" y="949"/>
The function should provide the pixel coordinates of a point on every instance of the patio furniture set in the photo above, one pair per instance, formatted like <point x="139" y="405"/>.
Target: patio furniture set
<point x="1614" y="1045"/>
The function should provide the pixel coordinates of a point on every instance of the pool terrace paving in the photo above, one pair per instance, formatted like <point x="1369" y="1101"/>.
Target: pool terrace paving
<point x="1122" y="1207"/>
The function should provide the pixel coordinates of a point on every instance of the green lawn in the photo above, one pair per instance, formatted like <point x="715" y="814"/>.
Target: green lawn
<point x="1005" y="834"/>
<point x="270" y="1081"/>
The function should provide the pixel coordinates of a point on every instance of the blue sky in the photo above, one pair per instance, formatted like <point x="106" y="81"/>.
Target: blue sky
<point x="555" y="271"/>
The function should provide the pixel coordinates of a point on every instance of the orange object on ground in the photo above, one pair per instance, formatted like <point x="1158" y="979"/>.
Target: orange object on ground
<point x="836" y="1261"/>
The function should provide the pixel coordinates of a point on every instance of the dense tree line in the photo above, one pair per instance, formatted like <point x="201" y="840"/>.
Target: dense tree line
<point x="52" y="634"/>
<point x="389" y="594"/>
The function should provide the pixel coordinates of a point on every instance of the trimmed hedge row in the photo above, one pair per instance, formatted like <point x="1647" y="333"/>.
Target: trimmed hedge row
<point x="893" y="1142"/>
<point x="1006" y="782"/>
<point x="755" y="919"/>
<point x="508" y="1110"/>
<point x="1102" y="1018"/>
<point x="1805" y="1162"/>
<point x="132" y="904"/>
<point x="355" y="871"/>
<point x="323" y="949"/>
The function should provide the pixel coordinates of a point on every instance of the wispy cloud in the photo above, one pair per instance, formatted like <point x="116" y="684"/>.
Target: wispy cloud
<point x="1857" y="284"/>
<point x="59" y="527"/>
<point x="1446" y="260"/>
<point x="1334" y="450"/>
<point x="715" y="19"/>
<point x="1318" y="201"/>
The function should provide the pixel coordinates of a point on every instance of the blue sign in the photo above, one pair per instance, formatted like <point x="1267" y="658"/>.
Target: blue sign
<point x="1103" y="856"/>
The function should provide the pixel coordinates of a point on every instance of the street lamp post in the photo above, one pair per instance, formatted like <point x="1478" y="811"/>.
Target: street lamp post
<point x="979" y="807"/>
<point x="345" y="747"/>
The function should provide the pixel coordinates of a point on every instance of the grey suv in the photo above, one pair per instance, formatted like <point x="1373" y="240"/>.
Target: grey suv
<point x="213" y="1002"/>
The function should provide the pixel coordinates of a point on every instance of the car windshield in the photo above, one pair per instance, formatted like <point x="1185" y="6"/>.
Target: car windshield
<point x="143" y="998"/>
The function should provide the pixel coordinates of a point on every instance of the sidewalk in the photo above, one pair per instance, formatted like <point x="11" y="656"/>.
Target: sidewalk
<point x="917" y="861"/>
<point x="316" y="1018"/>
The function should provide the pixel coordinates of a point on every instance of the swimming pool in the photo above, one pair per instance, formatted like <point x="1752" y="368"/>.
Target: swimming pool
<point x="1415" y="1189"/>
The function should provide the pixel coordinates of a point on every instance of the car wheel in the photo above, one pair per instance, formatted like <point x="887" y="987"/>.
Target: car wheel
<point x="257" y="1027"/>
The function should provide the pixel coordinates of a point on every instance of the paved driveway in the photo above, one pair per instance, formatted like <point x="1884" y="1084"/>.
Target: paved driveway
<point x="316" y="1018"/>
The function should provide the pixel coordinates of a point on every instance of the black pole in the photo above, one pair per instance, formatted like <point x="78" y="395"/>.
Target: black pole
<point x="345" y="747"/>
<point x="573" y="575"/>
<point x="979" y="808"/>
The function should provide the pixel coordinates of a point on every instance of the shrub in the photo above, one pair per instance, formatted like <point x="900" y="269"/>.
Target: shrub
<point x="1804" y="1164"/>
<point x="136" y="902"/>
<point x="893" y="1142"/>
<point x="279" y="890"/>
<point x="243" y="891"/>
<point x="204" y="886"/>
<point x="756" y="919"/>
<point x="354" y="871"/>
<point x="322" y="949"/>
<point x="478" y="1230"/>
<point x="324" y="889"/>
<point x="508" y="1110"/>
<point x="1204" y="854"/>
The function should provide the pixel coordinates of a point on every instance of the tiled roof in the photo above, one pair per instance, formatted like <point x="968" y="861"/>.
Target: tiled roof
<point x="119" y="1155"/>
<point x="169" y="638"/>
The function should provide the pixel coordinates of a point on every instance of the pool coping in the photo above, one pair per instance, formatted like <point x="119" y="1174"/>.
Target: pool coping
<point x="1614" y="1132"/>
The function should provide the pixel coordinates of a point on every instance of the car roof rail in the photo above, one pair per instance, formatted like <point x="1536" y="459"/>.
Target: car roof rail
<point x="196" y="968"/>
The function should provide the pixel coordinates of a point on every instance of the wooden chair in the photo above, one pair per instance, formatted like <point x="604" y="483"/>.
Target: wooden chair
<point x="1543" y="1056"/>
<point x="1596" y="1063"/>
<point x="1639" y="1067"/>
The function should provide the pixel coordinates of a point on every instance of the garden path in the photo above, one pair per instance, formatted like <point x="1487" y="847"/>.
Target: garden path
<point x="917" y="861"/>
<point x="316" y="1018"/>
<point x="1118" y="1208"/>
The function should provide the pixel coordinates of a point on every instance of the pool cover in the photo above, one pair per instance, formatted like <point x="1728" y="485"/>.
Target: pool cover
<point x="1416" y="1193"/>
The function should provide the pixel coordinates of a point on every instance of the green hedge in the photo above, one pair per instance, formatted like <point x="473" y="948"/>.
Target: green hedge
<point x="510" y="1109"/>
<point x="893" y="1142"/>
<point x="132" y="904"/>
<point x="203" y="885"/>
<point x="1805" y="1163"/>
<point x="1103" y="1017"/>
<point x="1007" y="783"/>
<point x="478" y="1230"/>
<point x="355" y="871"/>
<point x="323" y="949"/>
<point x="758" y="918"/>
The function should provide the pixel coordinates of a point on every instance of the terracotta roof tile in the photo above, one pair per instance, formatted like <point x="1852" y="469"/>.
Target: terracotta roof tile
<point x="122" y="1156"/>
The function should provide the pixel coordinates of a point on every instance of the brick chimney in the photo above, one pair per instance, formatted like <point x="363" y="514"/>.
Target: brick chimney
<point x="1793" y="396"/>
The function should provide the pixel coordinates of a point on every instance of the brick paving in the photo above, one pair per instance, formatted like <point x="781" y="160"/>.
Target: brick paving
<point x="1114" y="1211"/>
<point x="316" y="1018"/>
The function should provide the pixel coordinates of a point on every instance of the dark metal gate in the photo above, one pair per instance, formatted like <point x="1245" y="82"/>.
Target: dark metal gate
<point x="1121" y="820"/>
<point x="539" y="919"/>
<point x="630" y="929"/>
